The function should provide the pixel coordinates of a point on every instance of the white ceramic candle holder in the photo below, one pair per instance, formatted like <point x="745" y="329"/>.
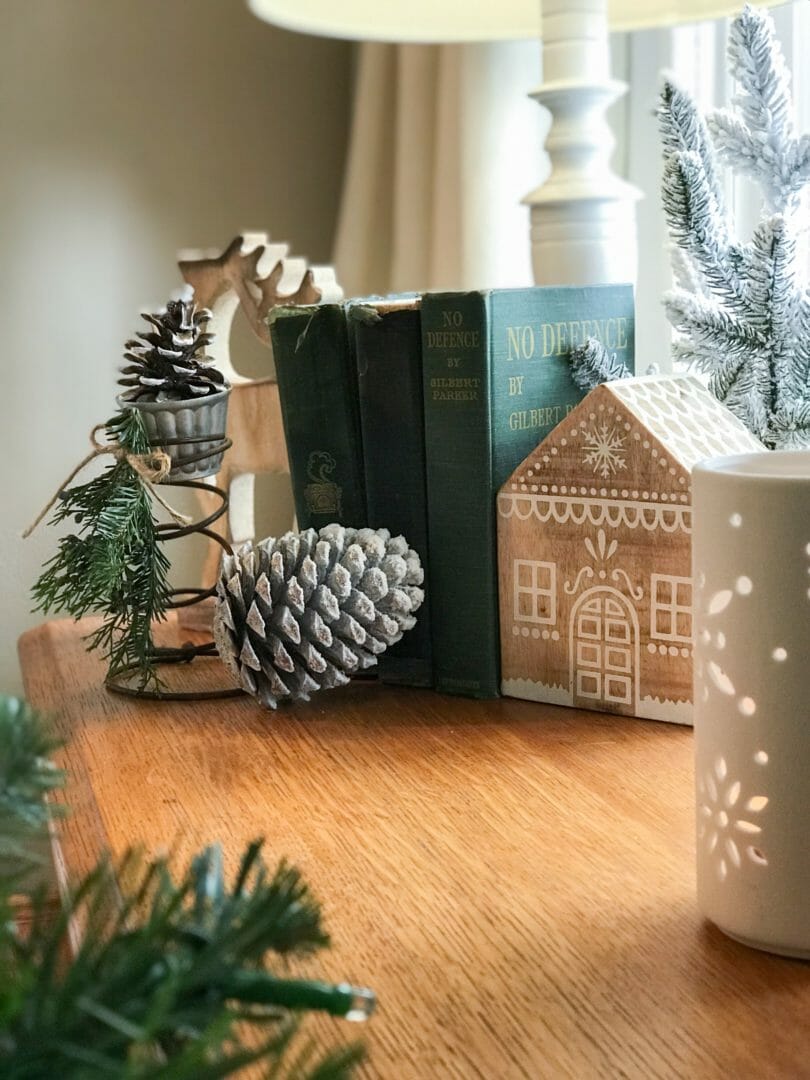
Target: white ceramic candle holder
<point x="751" y="564"/>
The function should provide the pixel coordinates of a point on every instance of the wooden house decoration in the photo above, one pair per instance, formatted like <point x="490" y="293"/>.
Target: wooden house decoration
<point x="594" y="549"/>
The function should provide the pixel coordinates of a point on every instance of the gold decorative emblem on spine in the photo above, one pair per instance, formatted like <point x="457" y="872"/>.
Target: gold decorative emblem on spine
<point x="322" y="495"/>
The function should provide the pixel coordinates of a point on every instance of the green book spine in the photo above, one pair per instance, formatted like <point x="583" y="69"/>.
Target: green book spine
<point x="388" y="348"/>
<point x="461" y="513"/>
<point x="317" y="382"/>
<point x="496" y="381"/>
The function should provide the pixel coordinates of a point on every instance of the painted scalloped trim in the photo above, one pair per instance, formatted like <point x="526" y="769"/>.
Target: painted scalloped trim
<point x="561" y="509"/>
<point x="672" y="712"/>
<point x="530" y="690"/>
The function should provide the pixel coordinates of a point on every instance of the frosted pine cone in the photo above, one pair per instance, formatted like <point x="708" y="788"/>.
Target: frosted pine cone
<point x="166" y="362"/>
<point x="306" y="611"/>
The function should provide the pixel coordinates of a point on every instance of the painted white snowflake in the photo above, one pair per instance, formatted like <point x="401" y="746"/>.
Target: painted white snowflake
<point x="724" y="820"/>
<point x="604" y="449"/>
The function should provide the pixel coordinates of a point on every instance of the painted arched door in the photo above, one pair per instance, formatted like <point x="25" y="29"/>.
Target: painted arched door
<point x="604" y="652"/>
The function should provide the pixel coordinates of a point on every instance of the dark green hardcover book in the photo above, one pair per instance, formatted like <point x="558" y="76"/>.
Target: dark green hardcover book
<point x="388" y="347"/>
<point x="496" y="380"/>
<point x="317" y="382"/>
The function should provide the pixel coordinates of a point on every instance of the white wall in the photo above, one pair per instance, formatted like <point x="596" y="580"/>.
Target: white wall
<point x="129" y="129"/>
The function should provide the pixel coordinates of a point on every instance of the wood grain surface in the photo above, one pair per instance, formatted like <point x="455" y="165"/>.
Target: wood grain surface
<point x="516" y="881"/>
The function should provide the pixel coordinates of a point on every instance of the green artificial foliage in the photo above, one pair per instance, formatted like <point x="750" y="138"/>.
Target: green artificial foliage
<point x="26" y="776"/>
<point x="113" y="564"/>
<point x="174" y="977"/>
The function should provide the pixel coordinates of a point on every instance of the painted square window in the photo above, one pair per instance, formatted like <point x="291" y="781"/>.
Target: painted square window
<point x="588" y="655"/>
<point x="617" y="631"/>
<point x="671" y="608"/>
<point x="683" y="625"/>
<point x="589" y="626"/>
<point x="618" y="689"/>
<point x="617" y="659"/>
<point x="589" y="684"/>
<point x="683" y="593"/>
<point x="535" y="591"/>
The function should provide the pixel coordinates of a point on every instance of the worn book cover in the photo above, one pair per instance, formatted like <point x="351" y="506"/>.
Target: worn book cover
<point x="388" y="349"/>
<point x="496" y="380"/>
<point x="317" y="382"/>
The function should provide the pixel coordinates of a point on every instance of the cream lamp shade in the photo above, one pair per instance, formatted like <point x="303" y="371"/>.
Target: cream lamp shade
<point x="463" y="20"/>
<point x="583" y="217"/>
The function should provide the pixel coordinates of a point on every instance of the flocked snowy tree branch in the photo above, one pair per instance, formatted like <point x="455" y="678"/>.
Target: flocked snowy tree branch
<point x="742" y="310"/>
<point x="592" y="364"/>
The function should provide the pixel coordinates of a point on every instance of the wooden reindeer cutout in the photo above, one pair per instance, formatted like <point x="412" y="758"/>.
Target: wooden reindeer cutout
<point x="255" y="275"/>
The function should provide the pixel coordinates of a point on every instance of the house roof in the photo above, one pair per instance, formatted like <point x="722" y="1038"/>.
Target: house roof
<point x="687" y="419"/>
<point x="627" y="449"/>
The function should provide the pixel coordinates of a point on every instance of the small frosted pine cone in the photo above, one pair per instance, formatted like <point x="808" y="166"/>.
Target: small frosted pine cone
<point x="165" y="363"/>
<point x="306" y="611"/>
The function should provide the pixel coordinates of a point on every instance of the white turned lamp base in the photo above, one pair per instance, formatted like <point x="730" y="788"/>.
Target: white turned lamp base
<point x="583" y="218"/>
<point x="584" y="243"/>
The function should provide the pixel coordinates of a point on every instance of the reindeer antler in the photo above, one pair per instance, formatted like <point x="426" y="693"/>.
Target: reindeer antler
<point x="253" y="269"/>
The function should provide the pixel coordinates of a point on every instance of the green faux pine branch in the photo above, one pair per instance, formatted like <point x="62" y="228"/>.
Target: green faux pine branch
<point x="174" y="978"/>
<point x="167" y="975"/>
<point x="26" y="776"/>
<point x="113" y="564"/>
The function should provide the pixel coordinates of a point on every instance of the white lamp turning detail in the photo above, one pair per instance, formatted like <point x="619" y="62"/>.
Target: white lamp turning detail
<point x="583" y="218"/>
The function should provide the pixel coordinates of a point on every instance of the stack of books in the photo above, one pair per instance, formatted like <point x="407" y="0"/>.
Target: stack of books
<point x="408" y="413"/>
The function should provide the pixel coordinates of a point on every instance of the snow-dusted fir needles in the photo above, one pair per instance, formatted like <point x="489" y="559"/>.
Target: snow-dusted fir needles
<point x="742" y="310"/>
<point x="306" y="611"/>
<point x="592" y="364"/>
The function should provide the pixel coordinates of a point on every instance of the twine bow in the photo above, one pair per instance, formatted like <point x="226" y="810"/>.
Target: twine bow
<point x="151" y="468"/>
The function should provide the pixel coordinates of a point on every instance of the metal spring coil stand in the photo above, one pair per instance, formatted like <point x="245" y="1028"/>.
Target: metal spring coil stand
<point x="182" y="598"/>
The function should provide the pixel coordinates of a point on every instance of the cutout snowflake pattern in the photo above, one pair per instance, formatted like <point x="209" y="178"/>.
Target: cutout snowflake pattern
<point x="718" y="602"/>
<point x="721" y="824"/>
<point x="604" y="449"/>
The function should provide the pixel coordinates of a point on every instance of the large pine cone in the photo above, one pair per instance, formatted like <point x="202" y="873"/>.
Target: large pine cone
<point x="307" y="610"/>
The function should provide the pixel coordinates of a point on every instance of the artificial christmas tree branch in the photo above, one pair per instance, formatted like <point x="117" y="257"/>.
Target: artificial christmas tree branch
<point x="163" y="983"/>
<point x="741" y="310"/>
<point x="152" y="468"/>
<point x="27" y="775"/>
<point x="114" y="563"/>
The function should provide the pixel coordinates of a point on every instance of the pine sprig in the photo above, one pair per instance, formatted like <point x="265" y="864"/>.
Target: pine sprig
<point x="27" y="775"/>
<point x="166" y="975"/>
<point x="691" y="213"/>
<point x="683" y="129"/>
<point x="113" y="564"/>
<point x="740" y="311"/>
<point x="592" y="364"/>
<point x="173" y="978"/>
<point x="759" y="139"/>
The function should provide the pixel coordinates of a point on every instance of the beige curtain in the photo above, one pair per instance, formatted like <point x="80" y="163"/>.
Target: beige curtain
<point x="445" y="143"/>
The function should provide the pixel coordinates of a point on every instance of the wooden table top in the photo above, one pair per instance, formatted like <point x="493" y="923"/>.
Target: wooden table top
<point x="516" y="881"/>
